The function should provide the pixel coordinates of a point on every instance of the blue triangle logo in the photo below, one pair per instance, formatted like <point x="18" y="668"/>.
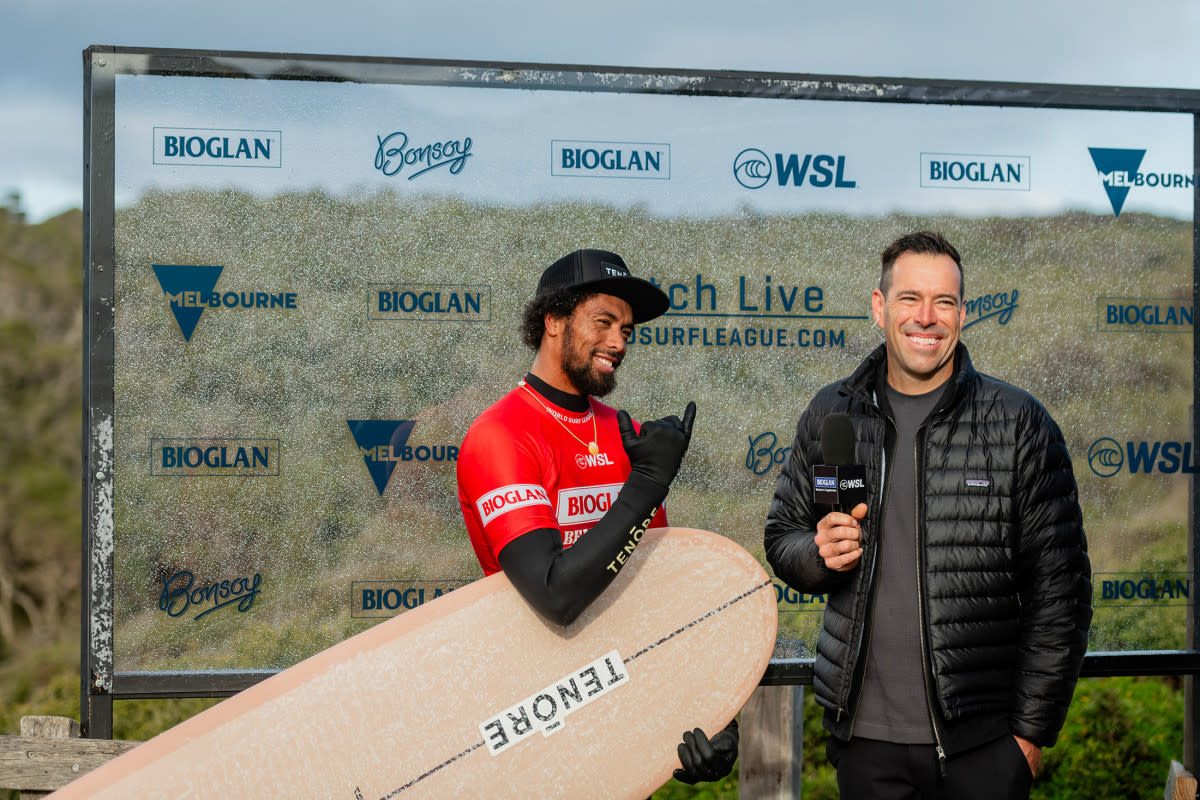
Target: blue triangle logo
<point x="373" y="434"/>
<point x="175" y="280"/>
<point x="1118" y="169"/>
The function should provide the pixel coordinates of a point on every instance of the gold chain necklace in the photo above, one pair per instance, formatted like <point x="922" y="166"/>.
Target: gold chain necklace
<point x="591" y="446"/>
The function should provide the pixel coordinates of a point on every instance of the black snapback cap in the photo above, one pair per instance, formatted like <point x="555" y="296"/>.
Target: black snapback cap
<point x="606" y="273"/>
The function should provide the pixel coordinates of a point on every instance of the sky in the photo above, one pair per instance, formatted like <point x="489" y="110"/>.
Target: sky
<point x="1152" y="43"/>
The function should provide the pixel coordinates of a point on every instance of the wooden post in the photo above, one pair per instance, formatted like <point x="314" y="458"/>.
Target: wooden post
<point x="772" y="744"/>
<point x="1180" y="783"/>
<point x="49" y="754"/>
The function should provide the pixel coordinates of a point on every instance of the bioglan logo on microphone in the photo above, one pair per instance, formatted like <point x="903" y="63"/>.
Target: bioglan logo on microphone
<point x="1120" y="171"/>
<point x="191" y="288"/>
<point x="383" y="443"/>
<point x="214" y="147"/>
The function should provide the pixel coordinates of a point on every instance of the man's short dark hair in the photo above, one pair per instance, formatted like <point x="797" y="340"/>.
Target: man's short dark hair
<point x="557" y="304"/>
<point x="930" y="243"/>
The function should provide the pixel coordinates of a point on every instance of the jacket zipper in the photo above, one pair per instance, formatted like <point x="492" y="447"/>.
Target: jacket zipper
<point x="926" y="664"/>
<point x="857" y="675"/>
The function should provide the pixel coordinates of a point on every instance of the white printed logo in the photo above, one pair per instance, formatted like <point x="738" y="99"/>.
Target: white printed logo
<point x="507" y="498"/>
<point x="586" y="503"/>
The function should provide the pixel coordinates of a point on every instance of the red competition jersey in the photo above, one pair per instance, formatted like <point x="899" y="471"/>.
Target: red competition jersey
<point x="520" y="470"/>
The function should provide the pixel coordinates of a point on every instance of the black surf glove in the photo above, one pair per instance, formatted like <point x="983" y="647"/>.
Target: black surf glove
<point x="705" y="759"/>
<point x="657" y="450"/>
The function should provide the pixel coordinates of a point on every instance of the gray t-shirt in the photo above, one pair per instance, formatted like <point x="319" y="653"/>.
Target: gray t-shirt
<point x="893" y="707"/>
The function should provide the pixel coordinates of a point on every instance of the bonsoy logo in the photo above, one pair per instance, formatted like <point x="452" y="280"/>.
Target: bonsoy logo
<point x="1118" y="169"/>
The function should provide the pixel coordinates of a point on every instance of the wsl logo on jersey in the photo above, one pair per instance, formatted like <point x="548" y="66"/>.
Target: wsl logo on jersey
<point x="191" y="288"/>
<point x="205" y="147"/>
<point x="383" y="443"/>
<point x="237" y="458"/>
<point x="753" y="169"/>
<point x="1120" y="171"/>
<point x="956" y="171"/>
<point x="578" y="159"/>
<point x="430" y="302"/>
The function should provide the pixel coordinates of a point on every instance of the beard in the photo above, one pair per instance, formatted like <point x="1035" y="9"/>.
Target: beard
<point x="582" y="372"/>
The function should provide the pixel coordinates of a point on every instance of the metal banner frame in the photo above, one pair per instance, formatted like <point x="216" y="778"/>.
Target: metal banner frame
<point x="101" y="684"/>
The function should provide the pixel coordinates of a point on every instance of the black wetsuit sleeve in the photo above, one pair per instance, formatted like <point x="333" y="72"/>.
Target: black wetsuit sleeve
<point x="560" y="583"/>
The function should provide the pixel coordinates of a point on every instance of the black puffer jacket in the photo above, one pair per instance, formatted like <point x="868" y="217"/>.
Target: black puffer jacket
<point x="1004" y="579"/>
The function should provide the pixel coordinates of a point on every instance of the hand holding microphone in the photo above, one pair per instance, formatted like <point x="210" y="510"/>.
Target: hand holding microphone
<point x="842" y="484"/>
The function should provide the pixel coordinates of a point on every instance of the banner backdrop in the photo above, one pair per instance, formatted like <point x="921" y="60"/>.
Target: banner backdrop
<point x="318" y="286"/>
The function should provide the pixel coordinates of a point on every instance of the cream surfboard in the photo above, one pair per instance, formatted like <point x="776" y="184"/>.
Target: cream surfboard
<point x="476" y="695"/>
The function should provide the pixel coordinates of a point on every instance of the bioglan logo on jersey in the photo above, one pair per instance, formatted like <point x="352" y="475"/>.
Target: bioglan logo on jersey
<point x="214" y="147"/>
<point x="646" y="160"/>
<point x="509" y="498"/>
<point x="191" y="288"/>
<point x="585" y="503"/>
<point x="753" y="169"/>
<point x="959" y="171"/>
<point x="1119" y="170"/>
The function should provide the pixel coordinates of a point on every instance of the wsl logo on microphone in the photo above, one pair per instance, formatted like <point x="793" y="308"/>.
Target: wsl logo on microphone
<point x="192" y="288"/>
<point x="383" y="443"/>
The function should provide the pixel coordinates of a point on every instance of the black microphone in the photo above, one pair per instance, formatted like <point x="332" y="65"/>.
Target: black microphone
<point x="839" y="482"/>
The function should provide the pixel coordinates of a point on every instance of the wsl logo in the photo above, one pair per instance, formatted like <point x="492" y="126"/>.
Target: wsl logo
<point x="1107" y="457"/>
<point x="192" y="288"/>
<point x="754" y="170"/>
<point x="1119" y="171"/>
<point x="383" y="443"/>
<point x="610" y="159"/>
<point x="203" y="147"/>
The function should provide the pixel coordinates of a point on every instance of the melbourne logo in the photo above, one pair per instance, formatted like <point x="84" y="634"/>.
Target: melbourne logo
<point x="1144" y="315"/>
<point x="956" y="171"/>
<point x="383" y="443"/>
<point x="754" y="170"/>
<point x="1119" y="172"/>
<point x="427" y="302"/>
<point x="1107" y="457"/>
<point x="204" y="147"/>
<point x="221" y="457"/>
<point x="191" y="288"/>
<point x="394" y="153"/>
<point x="610" y="159"/>
<point x="180" y="594"/>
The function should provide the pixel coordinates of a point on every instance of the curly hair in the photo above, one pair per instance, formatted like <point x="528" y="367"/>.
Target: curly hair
<point x="557" y="304"/>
